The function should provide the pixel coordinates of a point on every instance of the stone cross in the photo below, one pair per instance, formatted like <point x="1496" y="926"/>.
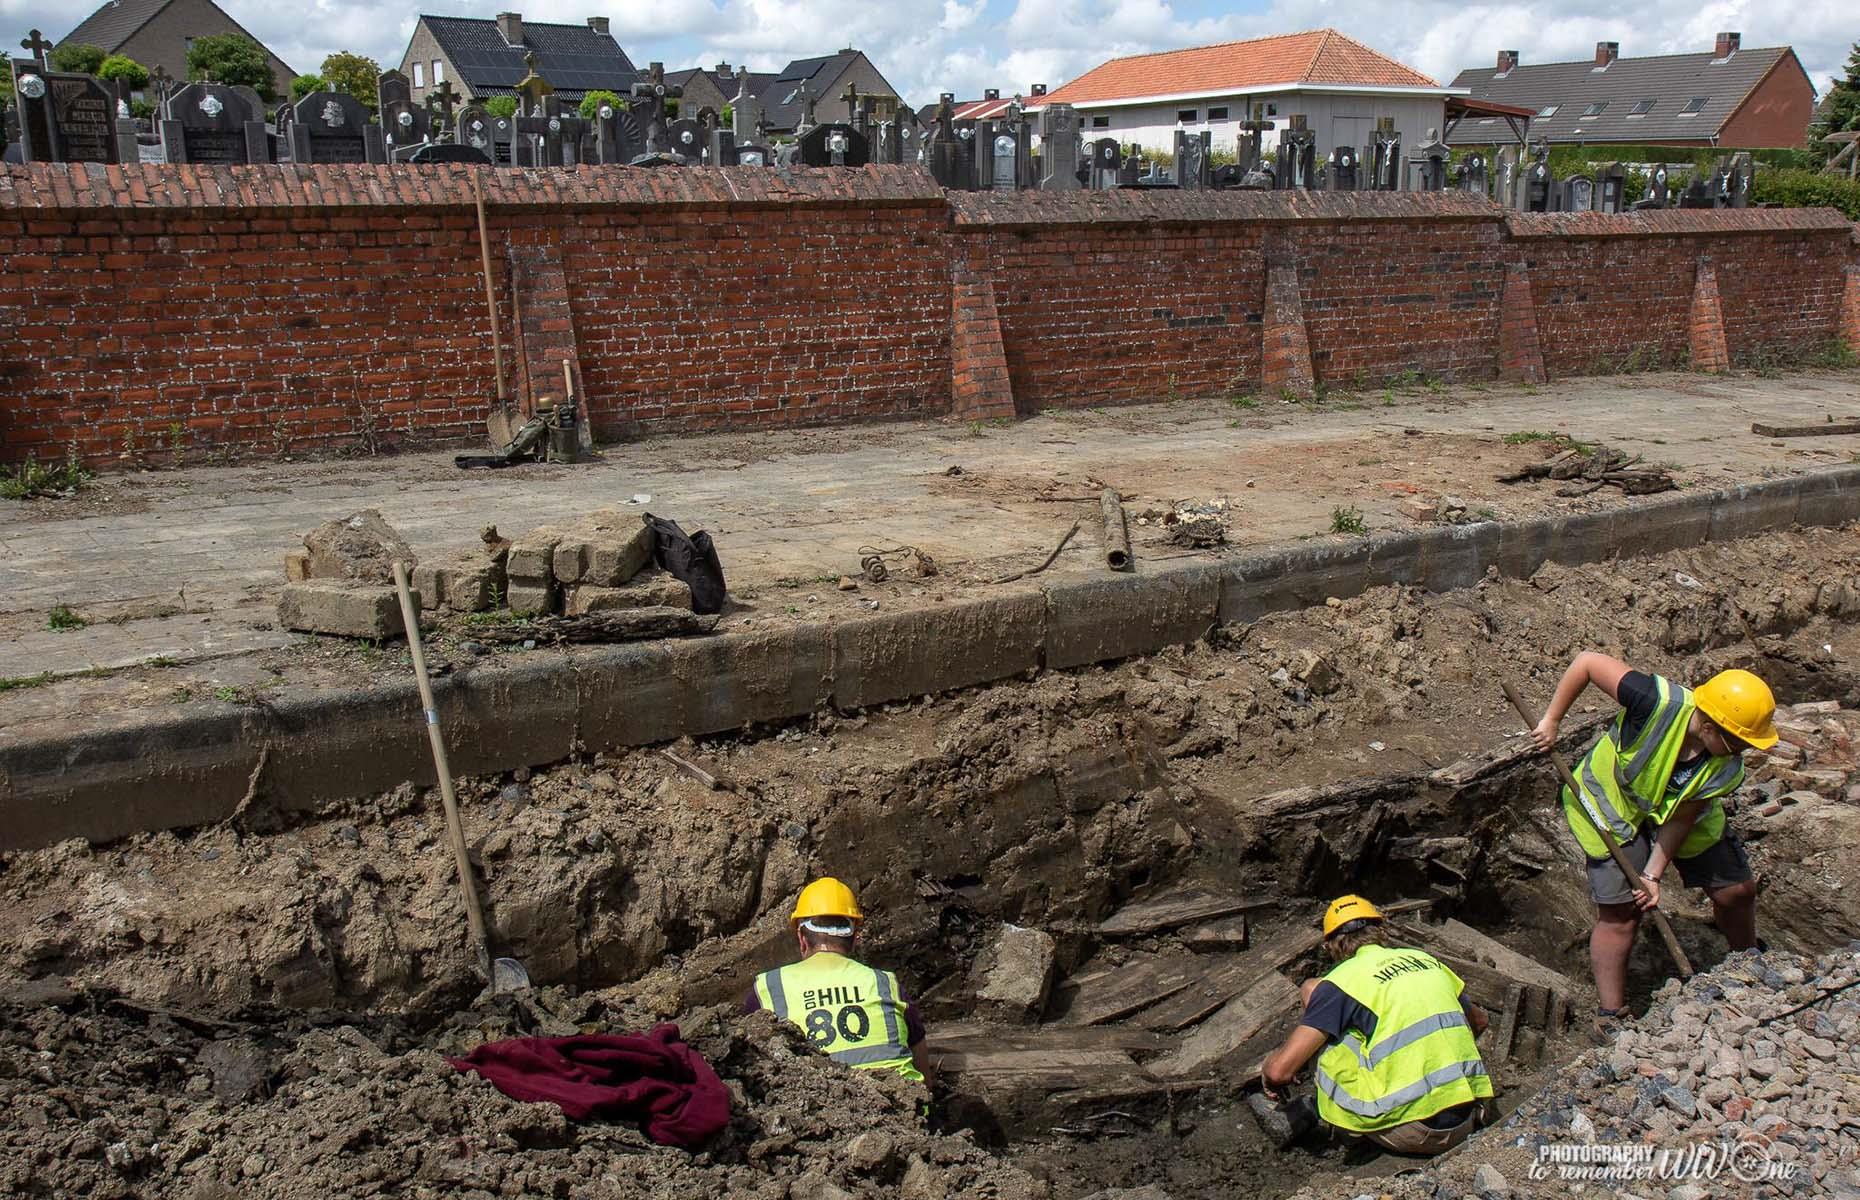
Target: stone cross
<point x="807" y="107"/>
<point x="533" y="88"/>
<point x="851" y="96"/>
<point x="648" y="104"/>
<point x="444" y="99"/>
<point x="37" y="45"/>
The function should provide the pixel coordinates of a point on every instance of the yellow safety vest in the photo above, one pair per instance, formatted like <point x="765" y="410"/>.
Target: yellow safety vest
<point x="1422" y="1058"/>
<point x="849" y="1011"/>
<point x="1624" y="786"/>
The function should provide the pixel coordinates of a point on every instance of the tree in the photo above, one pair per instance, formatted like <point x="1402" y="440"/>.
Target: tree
<point x="79" y="57"/>
<point x="303" y="85"/>
<point x="592" y="101"/>
<point x="233" y="59"/>
<point x="355" y="75"/>
<point x="501" y="106"/>
<point x="121" y="66"/>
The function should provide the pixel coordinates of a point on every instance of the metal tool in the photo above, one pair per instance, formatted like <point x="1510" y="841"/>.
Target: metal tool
<point x="503" y="974"/>
<point x="504" y="421"/>
<point x="1660" y="922"/>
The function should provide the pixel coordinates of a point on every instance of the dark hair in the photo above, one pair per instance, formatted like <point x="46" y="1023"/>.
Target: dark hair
<point x="1353" y="936"/>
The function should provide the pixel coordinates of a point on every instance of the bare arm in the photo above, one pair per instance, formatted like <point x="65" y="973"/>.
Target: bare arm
<point x="920" y="1058"/>
<point x="1475" y="1016"/>
<point x="1282" y="1065"/>
<point x="1665" y="848"/>
<point x="1587" y="669"/>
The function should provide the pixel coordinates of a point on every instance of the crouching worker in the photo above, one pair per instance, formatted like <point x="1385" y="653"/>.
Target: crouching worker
<point x="852" y="1013"/>
<point x="1396" y="1062"/>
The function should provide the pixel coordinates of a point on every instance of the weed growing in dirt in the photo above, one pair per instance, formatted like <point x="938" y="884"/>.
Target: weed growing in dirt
<point x="1347" y="520"/>
<point x="177" y="445"/>
<point x="161" y="660"/>
<point x="14" y="683"/>
<point x="495" y="617"/>
<point x="62" y="618"/>
<point x="975" y="429"/>
<point x="1248" y="400"/>
<point x="32" y="478"/>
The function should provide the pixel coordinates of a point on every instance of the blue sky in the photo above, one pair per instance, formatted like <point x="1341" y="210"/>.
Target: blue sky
<point x="951" y="45"/>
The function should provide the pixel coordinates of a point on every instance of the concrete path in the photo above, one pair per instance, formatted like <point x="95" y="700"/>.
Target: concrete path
<point x="185" y="565"/>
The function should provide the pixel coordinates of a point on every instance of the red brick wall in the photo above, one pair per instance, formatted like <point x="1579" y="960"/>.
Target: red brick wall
<point x="1776" y="112"/>
<point x="268" y="310"/>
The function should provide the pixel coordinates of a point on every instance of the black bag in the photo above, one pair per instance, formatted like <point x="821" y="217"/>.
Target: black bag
<point x="691" y="558"/>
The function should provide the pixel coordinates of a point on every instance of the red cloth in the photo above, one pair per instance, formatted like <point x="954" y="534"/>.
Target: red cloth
<point x="656" y="1080"/>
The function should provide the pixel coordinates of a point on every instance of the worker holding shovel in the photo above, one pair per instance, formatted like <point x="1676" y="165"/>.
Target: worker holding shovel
<point x="1656" y="780"/>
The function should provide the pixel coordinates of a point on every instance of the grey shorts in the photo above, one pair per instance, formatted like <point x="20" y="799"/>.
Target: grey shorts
<point x="1719" y="865"/>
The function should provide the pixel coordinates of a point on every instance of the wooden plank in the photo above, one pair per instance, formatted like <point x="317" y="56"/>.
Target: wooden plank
<point x="1139" y="983"/>
<point x="1467" y="942"/>
<point x="1505" y="1030"/>
<point x="1175" y="908"/>
<point x="1134" y="1089"/>
<point x="1043" y="1070"/>
<point x="1271" y="1000"/>
<point x="1813" y="429"/>
<point x="961" y="1037"/>
<point x="1227" y="977"/>
<point x="1226" y="933"/>
<point x="1485" y="986"/>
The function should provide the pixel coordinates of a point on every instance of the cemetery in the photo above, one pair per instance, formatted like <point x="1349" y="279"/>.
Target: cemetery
<point x="1128" y="548"/>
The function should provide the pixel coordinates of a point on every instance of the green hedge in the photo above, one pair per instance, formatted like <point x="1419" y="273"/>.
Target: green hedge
<point x="1807" y="189"/>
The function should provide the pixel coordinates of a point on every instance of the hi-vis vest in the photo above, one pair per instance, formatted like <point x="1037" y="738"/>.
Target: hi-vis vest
<point x="848" y="1010"/>
<point x="1623" y="786"/>
<point x="1422" y="1059"/>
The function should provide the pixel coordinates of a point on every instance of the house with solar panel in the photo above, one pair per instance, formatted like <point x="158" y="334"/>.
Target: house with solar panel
<point x="1727" y="96"/>
<point x="824" y="80"/>
<point x="483" y="57"/>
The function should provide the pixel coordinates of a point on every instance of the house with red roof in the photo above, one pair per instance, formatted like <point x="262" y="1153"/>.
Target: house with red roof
<point x="1341" y="87"/>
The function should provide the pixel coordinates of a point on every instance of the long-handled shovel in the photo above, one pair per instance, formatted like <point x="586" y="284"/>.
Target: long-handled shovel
<point x="504" y="974"/>
<point x="505" y="419"/>
<point x="1608" y="839"/>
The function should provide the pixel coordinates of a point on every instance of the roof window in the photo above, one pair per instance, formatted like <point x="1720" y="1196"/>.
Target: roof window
<point x="1548" y="110"/>
<point x="1694" y="106"/>
<point x="1642" y="107"/>
<point x="1594" y="110"/>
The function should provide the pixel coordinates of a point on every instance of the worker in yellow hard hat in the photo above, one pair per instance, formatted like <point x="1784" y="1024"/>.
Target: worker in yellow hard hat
<point x="855" y="1014"/>
<point x="1657" y="779"/>
<point x="1394" y="1039"/>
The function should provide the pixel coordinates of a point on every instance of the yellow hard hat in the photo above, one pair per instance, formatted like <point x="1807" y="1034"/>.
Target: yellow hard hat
<point x="1345" y="909"/>
<point x="1741" y="704"/>
<point x="826" y="897"/>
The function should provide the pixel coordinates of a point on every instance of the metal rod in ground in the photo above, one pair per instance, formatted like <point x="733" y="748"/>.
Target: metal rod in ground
<point x="1608" y="839"/>
<point x="1116" y="530"/>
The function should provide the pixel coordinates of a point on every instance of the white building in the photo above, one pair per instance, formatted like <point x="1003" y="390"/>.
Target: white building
<point x="1339" y="85"/>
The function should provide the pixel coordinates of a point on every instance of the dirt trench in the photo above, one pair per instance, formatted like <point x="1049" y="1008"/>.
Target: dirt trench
<point x="267" y="1001"/>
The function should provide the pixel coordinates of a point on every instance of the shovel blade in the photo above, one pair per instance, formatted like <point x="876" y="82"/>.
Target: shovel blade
<point x="508" y="975"/>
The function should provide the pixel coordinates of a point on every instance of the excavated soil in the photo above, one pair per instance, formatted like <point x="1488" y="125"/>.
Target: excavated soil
<point x="262" y="1004"/>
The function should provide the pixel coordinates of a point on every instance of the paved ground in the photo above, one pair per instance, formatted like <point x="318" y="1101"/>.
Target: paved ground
<point x="184" y="566"/>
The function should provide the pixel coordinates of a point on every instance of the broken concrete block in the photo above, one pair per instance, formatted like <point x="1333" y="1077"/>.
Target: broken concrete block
<point x="296" y="566"/>
<point x="659" y="591"/>
<point x="1311" y="669"/>
<point x="468" y="585"/>
<point x="603" y="557"/>
<point x="1014" y="974"/>
<point x="1418" y="509"/>
<point x="341" y="608"/>
<point x="362" y="547"/>
<point x="529" y="597"/>
<point x="532" y="556"/>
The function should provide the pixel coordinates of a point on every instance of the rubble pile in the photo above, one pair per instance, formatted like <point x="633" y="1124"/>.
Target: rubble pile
<point x="1812" y="764"/>
<point x="342" y="582"/>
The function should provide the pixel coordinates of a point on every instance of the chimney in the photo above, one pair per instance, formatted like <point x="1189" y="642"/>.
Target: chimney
<point x="1507" y="59"/>
<point x="992" y="94"/>
<point x="598" y="24"/>
<point x="1606" y="52"/>
<point x="1728" y="44"/>
<point x="1039" y="89"/>
<point x="510" y="25"/>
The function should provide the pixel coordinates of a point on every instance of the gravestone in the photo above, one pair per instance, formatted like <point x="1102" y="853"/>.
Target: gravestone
<point x="721" y="150"/>
<point x="213" y="123"/>
<point x="835" y="145"/>
<point x="1470" y="174"/>
<point x="1193" y="152"/>
<point x="1430" y="164"/>
<point x="1658" y="186"/>
<point x="647" y="102"/>
<point x="943" y="149"/>
<point x="1059" y="148"/>
<point x="1611" y="188"/>
<point x="754" y="154"/>
<point x="685" y="140"/>
<point x="1296" y="164"/>
<point x="1343" y="169"/>
<point x="448" y="152"/>
<point x="1577" y="194"/>
<point x="1107" y="163"/>
<point x="1698" y="192"/>
<point x="333" y="127"/>
<point x="619" y="138"/>
<point x="1733" y="177"/>
<point x="1251" y="148"/>
<point x="403" y="123"/>
<point x="1384" y="156"/>
<point x="745" y="109"/>
<point x="474" y="129"/>
<point x="441" y="102"/>
<point x="1506" y="175"/>
<point x="63" y="117"/>
<point x="1539" y="184"/>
